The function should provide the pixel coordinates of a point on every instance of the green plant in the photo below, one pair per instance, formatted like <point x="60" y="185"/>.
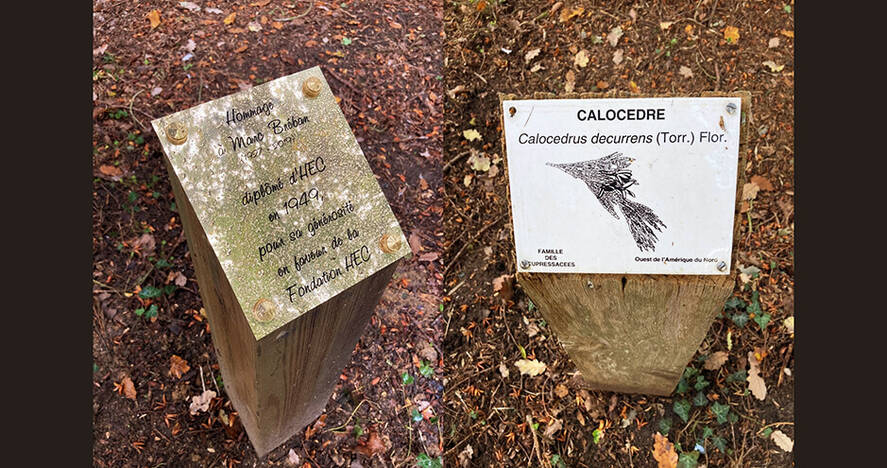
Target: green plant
<point x="407" y="379"/>
<point x="426" y="370"/>
<point x="424" y="461"/>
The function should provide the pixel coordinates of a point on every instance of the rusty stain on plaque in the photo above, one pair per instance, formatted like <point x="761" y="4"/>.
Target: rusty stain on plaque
<point x="284" y="194"/>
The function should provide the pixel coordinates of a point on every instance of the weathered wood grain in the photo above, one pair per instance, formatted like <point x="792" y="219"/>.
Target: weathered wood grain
<point x="633" y="333"/>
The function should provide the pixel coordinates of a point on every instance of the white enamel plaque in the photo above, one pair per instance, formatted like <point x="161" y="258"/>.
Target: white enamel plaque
<point x="637" y="185"/>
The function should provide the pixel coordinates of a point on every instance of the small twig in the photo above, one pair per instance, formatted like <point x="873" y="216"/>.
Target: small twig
<point x="454" y="159"/>
<point x="131" y="113"/>
<point x="213" y="374"/>
<point x="476" y="237"/>
<point x="202" y="383"/>
<point x="786" y="423"/>
<point x="283" y="20"/>
<point x="333" y="429"/>
<point x="535" y="441"/>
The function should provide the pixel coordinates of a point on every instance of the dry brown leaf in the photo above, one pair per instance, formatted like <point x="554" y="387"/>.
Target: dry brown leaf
<point x="372" y="446"/>
<point x="581" y="59"/>
<point x="465" y="456"/>
<point x="561" y="390"/>
<point x="260" y="3"/>
<point x="552" y="428"/>
<point x="129" y="389"/>
<point x="240" y="49"/>
<point x="782" y="440"/>
<point x="502" y="285"/>
<point x="685" y="71"/>
<point x="614" y="35"/>
<point x="180" y="279"/>
<point x="755" y="382"/>
<point x="415" y="243"/>
<point x="617" y="56"/>
<point x="230" y="18"/>
<point x="634" y="87"/>
<point x="773" y="43"/>
<point x="663" y="452"/>
<point x="154" y="18"/>
<point x="110" y="170"/>
<point x="530" y="367"/>
<point x="178" y="367"/>
<point x="750" y="191"/>
<point x="731" y="34"/>
<point x="429" y="257"/>
<point x="664" y="25"/>
<point x="603" y="84"/>
<point x="531" y="55"/>
<point x="716" y="360"/>
<point x="503" y="369"/>
<point x="570" y="84"/>
<point x="568" y="13"/>
<point x="787" y="33"/>
<point x="292" y="458"/>
<point x="201" y="402"/>
<point x="762" y="182"/>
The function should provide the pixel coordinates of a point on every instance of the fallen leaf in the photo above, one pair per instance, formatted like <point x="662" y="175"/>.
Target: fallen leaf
<point x="561" y="390"/>
<point x="472" y="134"/>
<point x="531" y="55"/>
<point x="372" y="446"/>
<point x="415" y="243"/>
<point x="129" y="389"/>
<point x="782" y="440"/>
<point x="532" y="330"/>
<point x="762" y="182"/>
<point x="154" y="18"/>
<point x="634" y="87"/>
<point x="750" y="191"/>
<point x="292" y="458"/>
<point x="180" y="279"/>
<point x="427" y="352"/>
<point x="502" y="285"/>
<point x="110" y="170"/>
<point x="530" y="367"/>
<point x="189" y="5"/>
<point x="157" y="90"/>
<point x="633" y="15"/>
<point x="685" y="71"/>
<point x="428" y="257"/>
<point x="478" y="162"/>
<point x="230" y="18"/>
<point x="178" y="367"/>
<point x="731" y="34"/>
<point x="260" y="3"/>
<point x="453" y="92"/>
<point x="581" y="58"/>
<point x="239" y="50"/>
<point x="716" y="360"/>
<point x="787" y="33"/>
<point x="773" y="43"/>
<point x="201" y="402"/>
<point x="614" y="35"/>
<point x="755" y="381"/>
<point x="465" y="456"/>
<point x="664" y="25"/>
<point x="570" y="84"/>
<point x="617" y="56"/>
<point x="254" y="26"/>
<point x="568" y="13"/>
<point x="145" y="245"/>
<point x="552" y="428"/>
<point x="747" y="273"/>
<point x="773" y="66"/>
<point x="602" y="84"/>
<point x="790" y="324"/>
<point x="100" y="50"/>
<point x="467" y="179"/>
<point x="190" y="45"/>
<point x="663" y="451"/>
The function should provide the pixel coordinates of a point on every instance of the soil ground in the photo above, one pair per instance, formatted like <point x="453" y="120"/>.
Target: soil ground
<point x="487" y="412"/>
<point x="382" y="59"/>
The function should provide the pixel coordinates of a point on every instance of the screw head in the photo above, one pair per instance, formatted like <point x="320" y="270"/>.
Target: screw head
<point x="731" y="108"/>
<point x="590" y="285"/>
<point x="312" y="86"/>
<point x="263" y="311"/>
<point x="389" y="243"/>
<point x="525" y="264"/>
<point x="176" y="133"/>
<point x="511" y="111"/>
<point x="722" y="265"/>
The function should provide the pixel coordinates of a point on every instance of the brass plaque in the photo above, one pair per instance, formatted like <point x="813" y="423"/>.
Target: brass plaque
<point x="285" y="195"/>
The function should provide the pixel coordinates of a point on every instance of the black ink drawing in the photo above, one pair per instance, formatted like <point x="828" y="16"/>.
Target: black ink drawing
<point x="609" y="179"/>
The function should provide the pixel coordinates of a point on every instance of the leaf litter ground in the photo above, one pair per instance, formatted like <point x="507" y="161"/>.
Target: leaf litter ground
<point x="152" y="347"/>
<point x="496" y="413"/>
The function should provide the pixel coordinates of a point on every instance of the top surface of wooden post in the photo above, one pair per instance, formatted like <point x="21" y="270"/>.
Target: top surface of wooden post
<point x="285" y="195"/>
<point x="639" y="185"/>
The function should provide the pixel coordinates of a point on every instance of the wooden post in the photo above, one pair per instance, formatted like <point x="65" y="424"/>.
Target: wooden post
<point x="634" y="333"/>
<point x="290" y="276"/>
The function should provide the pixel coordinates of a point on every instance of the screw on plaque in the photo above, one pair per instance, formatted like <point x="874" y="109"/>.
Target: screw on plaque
<point x="525" y="264"/>
<point x="176" y="133"/>
<point x="389" y="244"/>
<point x="722" y="265"/>
<point x="590" y="285"/>
<point x="264" y="310"/>
<point x="511" y="111"/>
<point x="731" y="108"/>
<point x="311" y="87"/>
